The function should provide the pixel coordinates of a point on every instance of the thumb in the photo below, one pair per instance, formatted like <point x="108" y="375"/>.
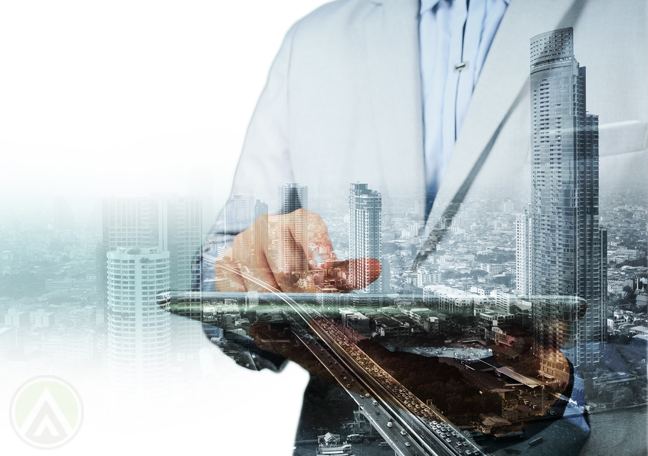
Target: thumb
<point x="359" y="273"/>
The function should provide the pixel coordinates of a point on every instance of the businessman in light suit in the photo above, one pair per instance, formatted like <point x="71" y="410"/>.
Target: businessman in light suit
<point x="430" y="99"/>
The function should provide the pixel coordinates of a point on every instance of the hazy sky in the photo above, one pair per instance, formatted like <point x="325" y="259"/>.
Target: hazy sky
<point x="128" y="97"/>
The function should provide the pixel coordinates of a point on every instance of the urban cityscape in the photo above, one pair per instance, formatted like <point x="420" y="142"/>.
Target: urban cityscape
<point x="533" y="307"/>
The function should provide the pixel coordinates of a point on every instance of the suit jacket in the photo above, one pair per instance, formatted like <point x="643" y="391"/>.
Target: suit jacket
<point x="343" y="101"/>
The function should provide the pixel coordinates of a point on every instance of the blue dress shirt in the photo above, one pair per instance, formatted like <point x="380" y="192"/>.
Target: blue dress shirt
<point x="451" y="32"/>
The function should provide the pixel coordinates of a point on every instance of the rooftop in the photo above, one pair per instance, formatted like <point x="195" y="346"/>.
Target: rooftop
<point x="531" y="383"/>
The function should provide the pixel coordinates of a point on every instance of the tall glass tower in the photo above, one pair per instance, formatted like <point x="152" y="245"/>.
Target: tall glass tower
<point x="523" y="253"/>
<point x="173" y="225"/>
<point x="260" y="232"/>
<point x="365" y="206"/>
<point x="237" y="216"/>
<point x="138" y="329"/>
<point x="567" y="244"/>
<point x="290" y="198"/>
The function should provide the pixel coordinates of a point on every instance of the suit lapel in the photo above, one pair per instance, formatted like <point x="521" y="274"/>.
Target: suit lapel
<point x="503" y="76"/>
<point x="391" y="33"/>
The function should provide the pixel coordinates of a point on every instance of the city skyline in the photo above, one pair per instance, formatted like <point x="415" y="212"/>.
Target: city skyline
<point x="488" y="297"/>
<point x="478" y="259"/>
<point x="134" y="269"/>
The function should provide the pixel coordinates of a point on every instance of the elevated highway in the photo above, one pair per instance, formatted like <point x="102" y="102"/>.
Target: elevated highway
<point x="425" y="431"/>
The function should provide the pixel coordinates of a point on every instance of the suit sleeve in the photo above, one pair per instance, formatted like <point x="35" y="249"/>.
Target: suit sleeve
<point x="263" y="165"/>
<point x="265" y="158"/>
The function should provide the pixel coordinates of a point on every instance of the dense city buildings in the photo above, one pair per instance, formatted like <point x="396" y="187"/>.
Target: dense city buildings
<point x="478" y="312"/>
<point x="365" y="207"/>
<point x="450" y="300"/>
<point x="568" y="244"/>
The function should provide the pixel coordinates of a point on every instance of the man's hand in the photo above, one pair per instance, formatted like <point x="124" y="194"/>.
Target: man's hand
<point x="290" y="253"/>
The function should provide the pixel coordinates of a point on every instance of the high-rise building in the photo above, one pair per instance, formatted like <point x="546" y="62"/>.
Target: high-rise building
<point x="365" y="207"/>
<point x="130" y="222"/>
<point x="451" y="300"/>
<point x="503" y="301"/>
<point x="290" y="198"/>
<point x="251" y="300"/>
<point x="171" y="224"/>
<point x="260" y="232"/>
<point x="180" y="227"/>
<point x="260" y="208"/>
<point x="201" y="187"/>
<point x="385" y="275"/>
<point x="126" y="222"/>
<point x="180" y="233"/>
<point x="8" y="339"/>
<point x="567" y="256"/>
<point x="238" y="215"/>
<point x="604" y="284"/>
<point x="523" y="253"/>
<point x="138" y="328"/>
<point x="16" y="318"/>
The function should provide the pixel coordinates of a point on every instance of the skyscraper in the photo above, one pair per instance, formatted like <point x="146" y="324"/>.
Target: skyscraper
<point x="290" y="198"/>
<point x="201" y="187"/>
<point x="385" y="275"/>
<point x="180" y="228"/>
<point x="567" y="253"/>
<point x="365" y="208"/>
<point x="126" y="222"/>
<point x="138" y="329"/>
<point x="238" y="214"/>
<point x="507" y="206"/>
<point x="172" y="225"/>
<point x="523" y="253"/>
<point x="260" y="232"/>
<point x="130" y="222"/>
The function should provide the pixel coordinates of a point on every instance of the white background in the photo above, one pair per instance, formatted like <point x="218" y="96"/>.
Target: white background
<point x="127" y="98"/>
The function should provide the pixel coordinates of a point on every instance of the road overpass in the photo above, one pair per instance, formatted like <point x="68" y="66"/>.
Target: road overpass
<point x="427" y="431"/>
